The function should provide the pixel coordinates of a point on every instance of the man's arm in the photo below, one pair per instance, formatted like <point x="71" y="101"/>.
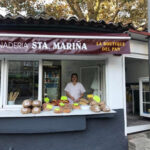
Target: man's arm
<point x="68" y="95"/>
<point x="82" y="94"/>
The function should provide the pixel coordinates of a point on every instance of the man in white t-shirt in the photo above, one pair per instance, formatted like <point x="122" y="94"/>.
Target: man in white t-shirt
<point x="74" y="89"/>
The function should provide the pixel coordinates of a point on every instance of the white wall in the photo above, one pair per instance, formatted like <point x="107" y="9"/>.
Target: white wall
<point x="114" y="82"/>
<point x="139" y="47"/>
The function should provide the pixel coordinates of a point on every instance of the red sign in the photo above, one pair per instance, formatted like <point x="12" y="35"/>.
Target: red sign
<point x="41" y="45"/>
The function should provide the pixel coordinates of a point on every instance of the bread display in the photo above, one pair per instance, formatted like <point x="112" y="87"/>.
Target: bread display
<point x="58" y="110"/>
<point x="25" y="110"/>
<point x="95" y="108"/>
<point x="83" y="101"/>
<point x="106" y="109"/>
<point x="36" y="110"/>
<point x="67" y="110"/>
<point x="54" y="103"/>
<point x="48" y="107"/>
<point x="44" y="105"/>
<point x="68" y="105"/>
<point x="76" y="106"/>
<point x="27" y="103"/>
<point x="102" y="103"/>
<point x="102" y="106"/>
<point x="96" y="98"/>
<point x="64" y="99"/>
<point x="61" y="105"/>
<point x="36" y="103"/>
<point x="46" y="99"/>
<point x="90" y="97"/>
<point x="93" y="103"/>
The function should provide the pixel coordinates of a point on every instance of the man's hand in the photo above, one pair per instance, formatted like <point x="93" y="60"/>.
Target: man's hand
<point x="78" y="99"/>
<point x="72" y="98"/>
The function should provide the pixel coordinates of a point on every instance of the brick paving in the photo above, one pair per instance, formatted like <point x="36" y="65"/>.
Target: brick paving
<point x="139" y="141"/>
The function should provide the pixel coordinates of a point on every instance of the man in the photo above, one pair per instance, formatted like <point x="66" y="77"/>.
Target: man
<point x="74" y="89"/>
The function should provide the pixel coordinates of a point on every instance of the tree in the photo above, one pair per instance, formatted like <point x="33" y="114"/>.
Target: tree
<point x="125" y="11"/>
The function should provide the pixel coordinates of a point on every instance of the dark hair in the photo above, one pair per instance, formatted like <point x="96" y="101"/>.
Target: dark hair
<point x="74" y="74"/>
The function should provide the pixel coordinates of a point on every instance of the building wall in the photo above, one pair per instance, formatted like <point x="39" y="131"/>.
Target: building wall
<point x="114" y="82"/>
<point x="99" y="132"/>
<point x="139" y="47"/>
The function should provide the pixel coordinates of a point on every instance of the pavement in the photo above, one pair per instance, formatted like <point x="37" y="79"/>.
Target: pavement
<point x="139" y="141"/>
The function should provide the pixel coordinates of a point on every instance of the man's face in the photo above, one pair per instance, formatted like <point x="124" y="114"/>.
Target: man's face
<point x="74" y="78"/>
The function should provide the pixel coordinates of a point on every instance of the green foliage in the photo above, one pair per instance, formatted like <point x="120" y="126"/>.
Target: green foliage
<point x="125" y="11"/>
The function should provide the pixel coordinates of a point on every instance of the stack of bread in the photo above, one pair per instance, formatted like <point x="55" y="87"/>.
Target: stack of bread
<point x="47" y="106"/>
<point x="83" y="101"/>
<point x="30" y="106"/>
<point x="63" y="108"/>
<point x="96" y="105"/>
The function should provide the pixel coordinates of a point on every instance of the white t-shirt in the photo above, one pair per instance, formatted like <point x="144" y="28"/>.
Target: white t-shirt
<point x="74" y="90"/>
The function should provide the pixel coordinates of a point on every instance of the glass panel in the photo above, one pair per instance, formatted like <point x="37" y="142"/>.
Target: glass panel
<point x="146" y="108"/>
<point x="51" y="79"/>
<point x="22" y="81"/>
<point x="0" y="77"/>
<point x="89" y="77"/>
<point x="146" y="94"/>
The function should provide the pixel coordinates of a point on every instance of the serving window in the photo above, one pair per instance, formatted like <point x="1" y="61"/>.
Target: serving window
<point x="46" y="80"/>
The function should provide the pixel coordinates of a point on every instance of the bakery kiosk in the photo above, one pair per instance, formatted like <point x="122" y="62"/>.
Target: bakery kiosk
<point x="36" y="64"/>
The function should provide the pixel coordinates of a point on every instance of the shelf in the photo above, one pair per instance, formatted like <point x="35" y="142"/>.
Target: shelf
<point x="51" y="77"/>
<point x="146" y="102"/>
<point x="17" y="113"/>
<point x="51" y="83"/>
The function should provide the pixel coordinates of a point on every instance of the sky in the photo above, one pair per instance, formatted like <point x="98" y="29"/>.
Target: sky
<point x="3" y="11"/>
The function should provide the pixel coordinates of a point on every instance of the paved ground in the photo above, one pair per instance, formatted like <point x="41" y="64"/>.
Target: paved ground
<point x="139" y="141"/>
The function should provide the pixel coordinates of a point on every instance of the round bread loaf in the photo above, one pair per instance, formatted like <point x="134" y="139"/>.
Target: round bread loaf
<point x="95" y="108"/>
<point x="36" y="110"/>
<point x="27" y="103"/>
<point x="36" y="103"/>
<point x="25" y="110"/>
<point x="102" y="106"/>
<point x="93" y="103"/>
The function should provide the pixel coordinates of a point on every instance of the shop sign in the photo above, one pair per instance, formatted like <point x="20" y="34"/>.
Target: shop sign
<point x="35" y="45"/>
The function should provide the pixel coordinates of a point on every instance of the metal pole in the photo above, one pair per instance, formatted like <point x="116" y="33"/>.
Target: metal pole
<point x="148" y="8"/>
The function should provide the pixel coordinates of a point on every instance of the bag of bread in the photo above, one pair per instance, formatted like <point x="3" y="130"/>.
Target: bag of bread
<point x="93" y="103"/>
<point x="95" y="108"/>
<point x="106" y="109"/>
<point x="25" y="110"/>
<point x="36" y="103"/>
<point x="27" y="103"/>
<point x="36" y="110"/>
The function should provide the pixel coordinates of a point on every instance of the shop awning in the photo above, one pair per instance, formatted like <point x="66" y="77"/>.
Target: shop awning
<point x="63" y="43"/>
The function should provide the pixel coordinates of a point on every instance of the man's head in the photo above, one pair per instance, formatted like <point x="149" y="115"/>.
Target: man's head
<point x="74" y="77"/>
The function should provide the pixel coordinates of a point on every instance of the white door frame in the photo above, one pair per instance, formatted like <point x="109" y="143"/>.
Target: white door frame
<point x="2" y="83"/>
<point x="137" y="128"/>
